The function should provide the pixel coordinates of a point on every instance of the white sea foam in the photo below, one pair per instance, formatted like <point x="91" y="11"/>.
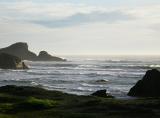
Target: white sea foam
<point x="83" y="76"/>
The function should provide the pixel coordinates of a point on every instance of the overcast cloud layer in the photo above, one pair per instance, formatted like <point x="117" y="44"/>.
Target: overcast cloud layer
<point x="82" y="27"/>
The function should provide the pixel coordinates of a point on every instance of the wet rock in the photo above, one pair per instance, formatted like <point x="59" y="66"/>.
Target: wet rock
<point x="11" y="62"/>
<point x="149" y="86"/>
<point x="102" y="93"/>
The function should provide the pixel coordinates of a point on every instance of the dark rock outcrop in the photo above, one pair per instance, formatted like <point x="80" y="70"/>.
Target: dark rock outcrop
<point x="11" y="62"/>
<point x="21" y="50"/>
<point x="44" y="56"/>
<point x="102" y="93"/>
<point x="149" y="86"/>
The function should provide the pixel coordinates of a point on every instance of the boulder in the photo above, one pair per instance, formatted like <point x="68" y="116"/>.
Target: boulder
<point x="149" y="86"/>
<point x="11" y="62"/>
<point x="44" y="56"/>
<point x="102" y="93"/>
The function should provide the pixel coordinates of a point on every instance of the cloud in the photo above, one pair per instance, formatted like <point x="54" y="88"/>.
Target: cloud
<point x="110" y="29"/>
<point x="155" y="27"/>
<point x="59" y="15"/>
<point x="80" y="18"/>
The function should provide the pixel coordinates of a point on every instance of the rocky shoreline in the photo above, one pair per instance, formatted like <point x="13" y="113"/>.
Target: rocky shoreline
<point x="34" y="102"/>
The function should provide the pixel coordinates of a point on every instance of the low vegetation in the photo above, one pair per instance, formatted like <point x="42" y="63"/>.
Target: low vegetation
<point x="31" y="102"/>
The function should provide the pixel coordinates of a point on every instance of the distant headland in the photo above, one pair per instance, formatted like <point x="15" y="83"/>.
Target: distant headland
<point x="20" y="49"/>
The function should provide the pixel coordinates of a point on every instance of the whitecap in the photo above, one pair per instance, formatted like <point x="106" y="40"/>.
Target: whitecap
<point x="155" y="66"/>
<point x="34" y="84"/>
<point x="91" y="85"/>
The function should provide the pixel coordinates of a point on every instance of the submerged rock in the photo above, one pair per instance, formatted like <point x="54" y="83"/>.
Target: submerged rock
<point x="11" y="62"/>
<point x="149" y="86"/>
<point x="101" y="81"/>
<point x="102" y="93"/>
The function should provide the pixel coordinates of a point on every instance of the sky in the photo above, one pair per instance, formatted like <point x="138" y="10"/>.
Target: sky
<point x="82" y="27"/>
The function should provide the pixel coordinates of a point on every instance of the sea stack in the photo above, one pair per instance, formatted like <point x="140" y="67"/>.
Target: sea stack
<point x="44" y="56"/>
<point x="11" y="62"/>
<point x="21" y="50"/>
<point x="149" y="86"/>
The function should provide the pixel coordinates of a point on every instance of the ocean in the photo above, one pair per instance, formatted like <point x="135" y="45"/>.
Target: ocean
<point x="83" y="75"/>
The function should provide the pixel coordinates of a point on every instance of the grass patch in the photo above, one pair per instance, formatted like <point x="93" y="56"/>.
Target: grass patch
<point x="32" y="102"/>
<point x="4" y="107"/>
<point x="36" y="104"/>
<point x="6" y="116"/>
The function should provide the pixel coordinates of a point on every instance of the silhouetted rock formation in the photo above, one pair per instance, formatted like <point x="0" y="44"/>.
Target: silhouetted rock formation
<point x="21" y="50"/>
<point x="11" y="62"/>
<point x="102" y="93"/>
<point x="44" y="56"/>
<point x="149" y="86"/>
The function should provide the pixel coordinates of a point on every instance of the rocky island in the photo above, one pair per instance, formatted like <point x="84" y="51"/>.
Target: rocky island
<point x="21" y="50"/>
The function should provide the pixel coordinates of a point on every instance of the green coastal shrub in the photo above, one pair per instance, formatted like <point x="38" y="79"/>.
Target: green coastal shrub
<point x="36" y="104"/>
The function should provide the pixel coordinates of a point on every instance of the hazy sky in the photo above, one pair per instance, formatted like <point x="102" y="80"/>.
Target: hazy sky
<point x="82" y="26"/>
